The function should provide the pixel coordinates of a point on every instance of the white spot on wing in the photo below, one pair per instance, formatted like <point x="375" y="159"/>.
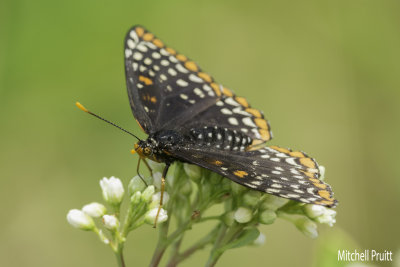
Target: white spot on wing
<point x="233" y="121"/>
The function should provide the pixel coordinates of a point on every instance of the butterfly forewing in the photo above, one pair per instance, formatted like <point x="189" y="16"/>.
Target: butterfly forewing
<point x="164" y="87"/>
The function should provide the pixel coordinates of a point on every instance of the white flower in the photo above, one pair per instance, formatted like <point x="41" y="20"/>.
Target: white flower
<point x="243" y="215"/>
<point x="328" y="217"/>
<point x="157" y="196"/>
<point x="113" y="191"/>
<point x="151" y="216"/>
<point x="308" y="227"/>
<point x="260" y="240"/>
<point x="79" y="219"/>
<point x="314" y="211"/>
<point x="94" y="210"/>
<point x="110" y="222"/>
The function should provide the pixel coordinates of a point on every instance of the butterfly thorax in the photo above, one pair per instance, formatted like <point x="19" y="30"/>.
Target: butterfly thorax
<point x="157" y="146"/>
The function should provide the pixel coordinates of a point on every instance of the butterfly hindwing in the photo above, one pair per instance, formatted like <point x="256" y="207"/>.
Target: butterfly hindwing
<point x="274" y="170"/>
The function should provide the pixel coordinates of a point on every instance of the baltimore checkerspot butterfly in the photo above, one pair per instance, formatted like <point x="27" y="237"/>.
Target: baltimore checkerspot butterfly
<point x="190" y="117"/>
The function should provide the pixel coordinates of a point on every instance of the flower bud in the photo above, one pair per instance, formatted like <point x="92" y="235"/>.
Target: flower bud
<point x="328" y="217"/>
<point x="136" y="184"/>
<point x="148" y="193"/>
<point x="251" y="198"/>
<point x="267" y="217"/>
<point x="157" y="196"/>
<point x="308" y="227"/>
<point x="260" y="240"/>
<point x="243" y="215"/>
<point x="228" y="218"/>
<point x="136" y="198"/>
<point x="112" y="189"/>
<point x="94" y="210"/>
<point x="151" y="216"/>
<point x="81" y="220"/>
<point x="103" y="238"/>
<point x="314" y="211"/>
<point x="110" y="222"/>
<point x="273" y="202"/>
<point x="193" y="171"/>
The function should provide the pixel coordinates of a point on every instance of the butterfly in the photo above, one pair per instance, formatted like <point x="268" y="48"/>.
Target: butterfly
<point x="191" y="118"/>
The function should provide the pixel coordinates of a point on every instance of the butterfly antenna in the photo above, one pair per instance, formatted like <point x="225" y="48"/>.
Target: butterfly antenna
<point x="81" y="107"/>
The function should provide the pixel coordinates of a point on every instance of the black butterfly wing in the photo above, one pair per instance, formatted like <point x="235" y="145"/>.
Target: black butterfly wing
<point x="169" y="91"/>
<point x="165" y="88"/>
<point x="274" y="170"/>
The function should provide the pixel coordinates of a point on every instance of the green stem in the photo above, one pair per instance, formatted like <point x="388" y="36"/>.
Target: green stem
<point x="161" y="244"/>
<point x="120" y="258"/>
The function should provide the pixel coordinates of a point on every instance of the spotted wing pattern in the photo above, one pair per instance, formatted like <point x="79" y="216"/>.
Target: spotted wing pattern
<point x="168" y="91"/>
<point x="274" y="170"/>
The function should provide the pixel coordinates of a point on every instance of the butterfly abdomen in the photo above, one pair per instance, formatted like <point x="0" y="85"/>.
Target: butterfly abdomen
<point x="219" y="138"/>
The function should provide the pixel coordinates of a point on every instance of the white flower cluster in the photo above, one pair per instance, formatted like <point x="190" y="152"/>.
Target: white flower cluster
<point x="143" y="209"/>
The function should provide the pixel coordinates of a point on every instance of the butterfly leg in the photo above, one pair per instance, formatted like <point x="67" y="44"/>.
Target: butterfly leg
<point x="164" y="174"/>
<point x="138" y="172"/>
<point x="148" y="166"/>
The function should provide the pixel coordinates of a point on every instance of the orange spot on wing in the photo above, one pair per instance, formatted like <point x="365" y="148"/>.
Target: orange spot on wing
<point x="153" y="99"/>
<point x="325" y="194"/>
<point x="148" y="36"/>
<point x="171" y="51"/>
<point x="242" y="101"/>
<point x="240" y="174"/>
<point x="216" y="89"/>
<point x="314" y="180"/>
<point x="265" y="135"/>
<point x="205" y="76"/>
<point x="181" y="57"/>
<point x="139" y="31"/>
<point x="254" y="112"/>
<point x="320" y="185"/>
<point x="146" y="80"/>
<point x="261" y="123"/>
<point x="190" y="65"/>
<point x="217" y="162"/>
<point x="307" y="162"/>
<point x="227" y="92"/>
<point x="158" y="43"/>
<point x="297" y="154"/>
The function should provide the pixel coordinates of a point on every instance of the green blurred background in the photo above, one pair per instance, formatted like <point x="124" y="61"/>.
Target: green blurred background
<point x="325" y="73"/>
